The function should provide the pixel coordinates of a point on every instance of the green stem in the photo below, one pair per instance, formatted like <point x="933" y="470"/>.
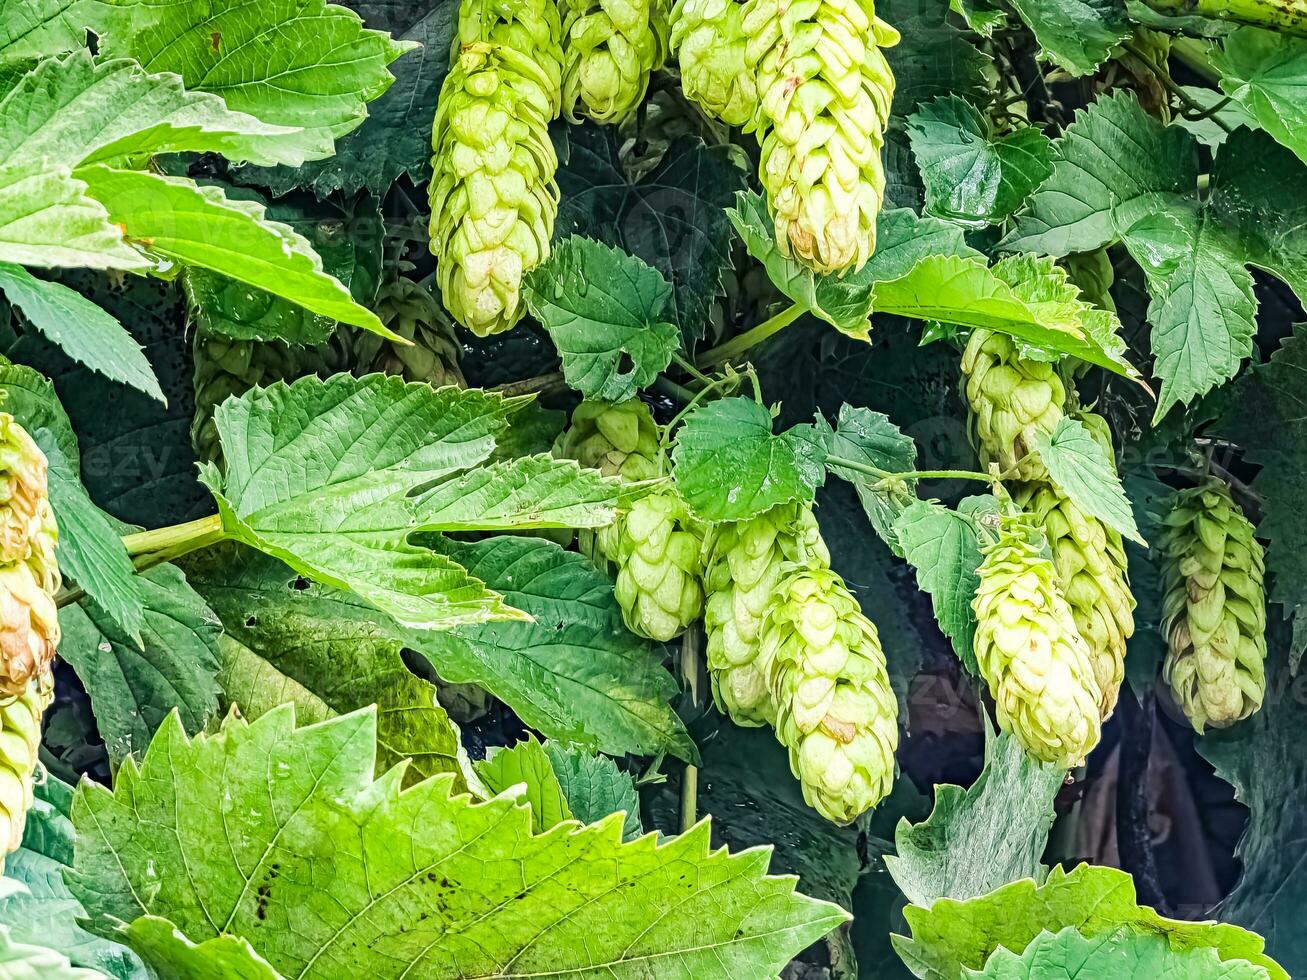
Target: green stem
<point x="1284" y="16"/>
<point x="672" y="390"/>
<point x="1168" y="83"/>
<point x="690" y="778"/>
<point x="686" y="365"/>
<point x="750" y="338"/>
<point x="864" y="468"/>
<point x="176" y="540"/>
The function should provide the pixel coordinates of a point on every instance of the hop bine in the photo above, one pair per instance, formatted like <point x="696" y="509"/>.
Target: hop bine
<point x="1213" y="608"/>
<point x="1012" y="399"/>
<point x="1038" y="667"/>
<point x="493" y="195"/>
<point x="824" y="91"/>
<point x="610" y="47"/>
<point x="709" y="40"/>
<point x="743" y="567"/>
<point x="835" y="710"/>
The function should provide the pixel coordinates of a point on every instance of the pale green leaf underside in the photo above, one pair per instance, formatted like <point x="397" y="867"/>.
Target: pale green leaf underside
<point x="162" y="946"/>
<point x="421" y="883"/>
<point x="22" y="960"/>
<point x="34" y="28"/>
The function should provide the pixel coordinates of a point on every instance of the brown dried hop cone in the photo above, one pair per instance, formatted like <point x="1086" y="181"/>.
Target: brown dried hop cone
<point x="1038" y="667"/>
<point x="744" y="563"/>
<point x="1013" y="399"/>
<point x="1091" y="572"/>
<point x="1214" y="608"/>
<point x="20" y="739"/>
<point x="835" y="709"/>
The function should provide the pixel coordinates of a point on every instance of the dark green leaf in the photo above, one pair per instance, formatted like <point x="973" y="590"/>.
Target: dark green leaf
<point x="1076" y="35"/>
<point x="871" y="439"/>
<point x="526" y="766"/>
<point x="595" y="787"/>
<point x="1265" y="72"/>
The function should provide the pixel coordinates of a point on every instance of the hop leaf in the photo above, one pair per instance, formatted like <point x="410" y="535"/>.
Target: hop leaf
<point x="835" y="711"/>
<point x="743" y="570"/>
<point x="1214" y="608"/>
<point x="1013" y="399"/>
<point x="709" y="40"/>
<point x="611" y="46"/>
<point x="1090" y="561"/>
<point x="824" y="90"/>
<point x="493" y="195"/>
<point x="1038" y="667"/>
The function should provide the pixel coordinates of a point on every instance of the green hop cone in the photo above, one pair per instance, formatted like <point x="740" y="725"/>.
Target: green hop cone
<point x="493" y="195"/>
<point x="743" y="567"/>
<point x="610" y="47"/>
<point x="20" y="740"/>
<point x="835" y="710"/>
<point x="709" y="40"/>
<point x="1039" y="669"/>
<point x="824" y="91"/>
<point x="1213" y="608"/>
<point x="618" y="439"/>
<point x="1013" y="399"/>
<point x="1091" y="572"/>
<point x="412" y="312"/>
<point x="659" y="566"/>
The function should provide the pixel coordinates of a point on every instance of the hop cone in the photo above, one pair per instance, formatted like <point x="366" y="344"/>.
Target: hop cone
<point x="659" y="566"/>
<point x="835" y="711"/>
<point x="20" y="738"/>
<point x="824" y="90"/>
<point x="493" y="196"/>
<point x="1012" y="399"/>
<point x="618" y="439"/>
<point x="1090" y="561"/>
<point x="709" y="40"/>
<point x="24" y="504"/>
<point x="413" y="313"/>
<point x="1038" y="667"/>
<point x="742" y="571"/>
<point x="610" y="48"/>
<point x="1213" y="608"/>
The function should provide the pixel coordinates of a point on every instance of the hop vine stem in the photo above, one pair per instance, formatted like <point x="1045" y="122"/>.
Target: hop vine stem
<point x="868" y="470"/>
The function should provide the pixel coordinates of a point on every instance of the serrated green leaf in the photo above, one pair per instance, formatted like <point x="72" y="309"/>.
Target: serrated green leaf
<point x="594" y="787"/>
<point x="970" y="176"/>
<point x="729" y="466"/>
<point x="933" y="57"/>
<point x="1097" y="901"/>
<point x="302" y="63"/>
<point x="978" y="839"/>
<point x="91" y="551"/>
<point x="1120" y="955"/>
<point x="1114" y="165"/>
<point x="133" y="688"/>
<point x="162" y="945"/>
<point x="1076" y="35"/>
<point x="1085" y="472"/>
<point x="181" y="222"/>
<point x="84" y="331"/>
<point x="47" y="219"/>
<point x="79" y="111"/>
<point x="871" y="439"/>
<point x="1265" y="72"/>
<point x="943" y="546"/>
<point x="251" y="811"/>
<point x="604" y="310"/>
<point x="34" y="28"/>
<point x="526" y="769"/>
<point x="573" y="673"/>
<point x="329" y="653"/>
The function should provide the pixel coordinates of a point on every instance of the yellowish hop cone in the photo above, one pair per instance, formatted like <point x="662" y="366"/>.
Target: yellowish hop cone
<point x="835" y="709"/>
<point x="709" y="41"/>
<point x="659" y="567"/>
<point x="1013" y="399"/>
<point x="1039" y="669"/>
<point x="743" y="569"/>
<point x="1214" y="608"/>
<point x="610" y="47"/>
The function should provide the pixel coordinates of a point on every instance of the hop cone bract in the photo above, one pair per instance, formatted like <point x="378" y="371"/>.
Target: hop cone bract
<point x="742" y="571"/>
<point x="20" y="739"/>
<point x="1013" y="399"/>
<point x="824" y="91"/>
<point x="835" y="710"/>
<point x="412" y="312"/>
<point x="493" y="195"/>
<point x="609" y="49"/>
<point x="1038" y="667"/>
<point x="1213" y="608"/>
<point x="709" y="40"/>
<point x="1090" y="561"/>
<point x="659" y="566"/>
